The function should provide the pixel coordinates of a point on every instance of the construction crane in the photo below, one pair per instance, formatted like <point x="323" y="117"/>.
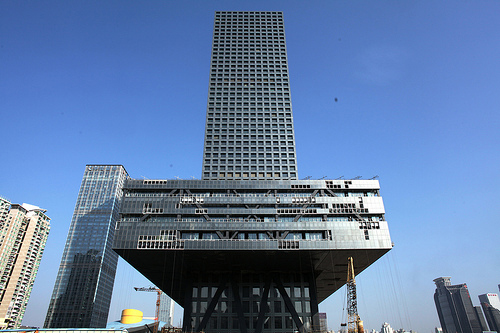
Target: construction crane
<point x="354" y="323"/>
<point x="156" y="290"/>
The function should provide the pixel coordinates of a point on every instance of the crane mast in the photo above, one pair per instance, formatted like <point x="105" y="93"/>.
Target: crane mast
<point x="354" y="323"/>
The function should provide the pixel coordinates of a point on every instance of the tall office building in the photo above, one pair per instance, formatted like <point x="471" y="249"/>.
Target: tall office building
<point x="82" y="291"/>
<point x="455" y="310"/>
<point x="491" y="308"/>
<point x="249" y="247"/>
<point x="23" y="233"/>
<point x="249" y="126"/>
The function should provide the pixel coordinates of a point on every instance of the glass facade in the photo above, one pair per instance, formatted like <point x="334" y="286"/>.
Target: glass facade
<point x="82" y="291"/>
<point x="252" y="301"/>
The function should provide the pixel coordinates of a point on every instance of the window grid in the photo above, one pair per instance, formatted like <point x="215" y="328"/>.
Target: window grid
<point x="249" y="109"/>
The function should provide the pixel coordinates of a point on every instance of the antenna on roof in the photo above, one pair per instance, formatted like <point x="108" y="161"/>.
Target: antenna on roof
<point x="374" y="177"/>
<point x="341" y="177"/>
<point x="357" y="177"/>
<point x="323" y="177"/>
<point x="307" y="178"/>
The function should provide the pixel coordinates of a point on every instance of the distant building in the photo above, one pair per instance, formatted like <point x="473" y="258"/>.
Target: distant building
<point x="455" y="310"/>
<point x="323" y="322"/>
<point x="166" y="310"/>
<point x="82" y="291"/>
<point x="438" y="330"/>
<point x="480" y="317"/>
<point x="491" y="308"/>
<point x="386" y="328"/>
<point x="23" y="234"/>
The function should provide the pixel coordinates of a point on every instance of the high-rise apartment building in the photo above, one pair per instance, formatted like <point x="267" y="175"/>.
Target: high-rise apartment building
<point x="491" y="308"/>
<point x="82" y="291"/>
<point x="455" y="310"/>
<point x="4" y="212"/>
<point x="23" y="233"/>
<point x="249" y="247"/>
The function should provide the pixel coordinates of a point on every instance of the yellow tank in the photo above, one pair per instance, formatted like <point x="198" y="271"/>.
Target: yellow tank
<point x="131" y="316"/>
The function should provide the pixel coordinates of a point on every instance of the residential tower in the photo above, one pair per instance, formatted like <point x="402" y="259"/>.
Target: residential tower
<point x="23" y="233"/>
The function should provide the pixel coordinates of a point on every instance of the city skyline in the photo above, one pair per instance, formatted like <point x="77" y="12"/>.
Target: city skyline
<point x="414" y="85"/>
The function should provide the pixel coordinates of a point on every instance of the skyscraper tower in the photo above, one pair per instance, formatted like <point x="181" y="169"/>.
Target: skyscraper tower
<point x="249" y="247"/>
<point x="23" y="233"/>
<point x="82" y="291"/>
<point x="455" y="310"/>
<point x="491" y="308"/>
<point x="249" y="128"/>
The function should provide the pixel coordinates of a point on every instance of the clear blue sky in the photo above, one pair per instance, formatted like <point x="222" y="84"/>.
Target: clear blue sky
<point x="125" y="82"/>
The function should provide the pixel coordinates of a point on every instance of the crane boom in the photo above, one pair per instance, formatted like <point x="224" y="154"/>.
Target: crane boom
<point x="152" y="289"/>
<point x="156" y="290"/>
<point x="354" y="323"/>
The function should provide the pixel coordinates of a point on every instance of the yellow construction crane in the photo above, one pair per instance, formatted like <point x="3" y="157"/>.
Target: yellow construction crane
<point x="156" y="290"/>
<point x="354" y="323"/>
